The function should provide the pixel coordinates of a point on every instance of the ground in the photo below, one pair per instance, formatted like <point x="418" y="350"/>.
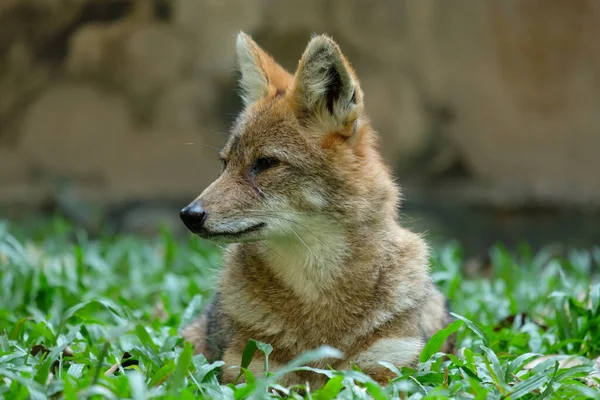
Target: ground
<point x="100" y="317"/>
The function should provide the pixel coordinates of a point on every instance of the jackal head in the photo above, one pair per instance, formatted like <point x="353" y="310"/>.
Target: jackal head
<point x="301" y="155"/>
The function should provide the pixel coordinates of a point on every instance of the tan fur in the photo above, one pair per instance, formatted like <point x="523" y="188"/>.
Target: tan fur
<point x="330" y="263"/>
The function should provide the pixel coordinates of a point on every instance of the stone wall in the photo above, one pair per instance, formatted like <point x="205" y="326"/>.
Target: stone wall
<point x="110" y="100"/>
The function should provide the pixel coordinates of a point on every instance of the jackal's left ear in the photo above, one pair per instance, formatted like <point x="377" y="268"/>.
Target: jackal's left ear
<point x="261" y="76"/>
<point x="325" y="86"/>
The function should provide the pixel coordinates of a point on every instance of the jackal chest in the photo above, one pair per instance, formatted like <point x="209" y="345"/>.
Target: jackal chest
<point x="291" y="326"/>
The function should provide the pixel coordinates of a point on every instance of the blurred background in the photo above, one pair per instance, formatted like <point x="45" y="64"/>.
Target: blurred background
<point x="111" y="110"/>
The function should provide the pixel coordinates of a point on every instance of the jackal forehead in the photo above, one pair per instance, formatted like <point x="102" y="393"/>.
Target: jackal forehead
<point x="263" y="129"/>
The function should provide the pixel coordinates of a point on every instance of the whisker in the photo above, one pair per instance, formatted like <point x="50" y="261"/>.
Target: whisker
<point x="269" y="249"/>
<point x="203" y="145"/>
<point x="293" y="212"/>
<point x="288" y="220"/>
<point x="303" y="242"/>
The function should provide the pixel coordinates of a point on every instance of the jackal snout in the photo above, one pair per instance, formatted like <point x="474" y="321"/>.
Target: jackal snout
<point x="219" y="212"/>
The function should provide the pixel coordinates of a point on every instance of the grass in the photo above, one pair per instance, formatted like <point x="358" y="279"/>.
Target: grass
<point x="83" y="318"/>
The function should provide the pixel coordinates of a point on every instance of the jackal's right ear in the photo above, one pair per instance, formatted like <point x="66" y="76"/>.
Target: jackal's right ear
<point x="326" y="89"/>
<point x="261" y="76"/>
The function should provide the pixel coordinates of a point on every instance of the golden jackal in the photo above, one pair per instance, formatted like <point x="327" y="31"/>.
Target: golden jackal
<point x="317" y="255"/>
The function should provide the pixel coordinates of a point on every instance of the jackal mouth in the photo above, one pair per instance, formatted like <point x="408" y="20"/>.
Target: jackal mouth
<point x="206" y="234"/>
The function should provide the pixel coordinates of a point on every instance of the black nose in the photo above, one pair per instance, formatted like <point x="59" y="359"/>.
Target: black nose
<point x="193" y="216"/>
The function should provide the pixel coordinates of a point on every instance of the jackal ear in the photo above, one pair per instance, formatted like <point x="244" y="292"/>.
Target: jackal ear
<point x="260" y="75"/>
<point x="325" y="86"/>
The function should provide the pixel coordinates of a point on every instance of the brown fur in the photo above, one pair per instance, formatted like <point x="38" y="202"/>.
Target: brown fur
<point x="331" y="265"/>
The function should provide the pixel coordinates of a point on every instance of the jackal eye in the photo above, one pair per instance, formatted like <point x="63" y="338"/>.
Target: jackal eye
<point x="264" y="163"/>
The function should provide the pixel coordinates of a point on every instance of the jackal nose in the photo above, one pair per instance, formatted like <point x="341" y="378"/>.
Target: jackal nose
<point x="193" y="216"/>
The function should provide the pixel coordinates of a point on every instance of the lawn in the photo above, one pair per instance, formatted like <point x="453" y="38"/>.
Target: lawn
<point x="99" y="318"/>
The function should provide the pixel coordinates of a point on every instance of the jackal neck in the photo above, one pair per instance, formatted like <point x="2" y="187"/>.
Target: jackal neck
<point x="316" y="261"/>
